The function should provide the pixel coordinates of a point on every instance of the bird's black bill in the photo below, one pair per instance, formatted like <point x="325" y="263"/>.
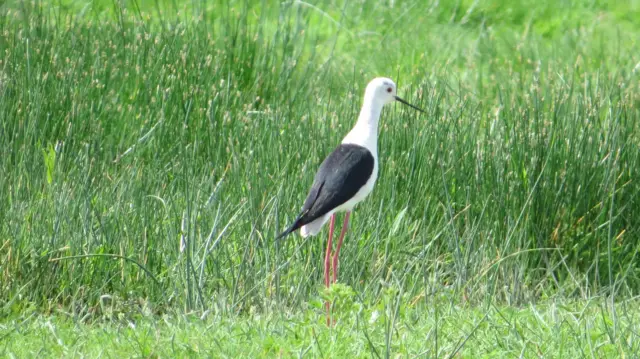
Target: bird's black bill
<point x="408" y="104"/>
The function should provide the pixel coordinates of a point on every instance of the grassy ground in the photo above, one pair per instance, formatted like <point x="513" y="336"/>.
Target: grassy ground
<point x="553" y="330"/>
<point x="152" y="150"/>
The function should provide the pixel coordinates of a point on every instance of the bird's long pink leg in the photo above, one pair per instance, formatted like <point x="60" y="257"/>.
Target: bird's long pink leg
<point x="327" y="263"/>
<point x="343" y="232"/>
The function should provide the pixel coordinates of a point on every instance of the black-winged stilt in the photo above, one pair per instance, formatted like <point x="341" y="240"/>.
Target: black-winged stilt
<point x="347" y="175"/>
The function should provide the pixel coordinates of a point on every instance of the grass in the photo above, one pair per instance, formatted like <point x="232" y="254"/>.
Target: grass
<point x="151" y="151"/>
<point x="554" y="330"/>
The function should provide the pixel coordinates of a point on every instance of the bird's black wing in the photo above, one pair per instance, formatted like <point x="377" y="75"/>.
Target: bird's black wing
<point x="338" y="179"/>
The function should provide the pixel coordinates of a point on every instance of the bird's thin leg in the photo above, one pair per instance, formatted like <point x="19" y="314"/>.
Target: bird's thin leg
<point x="327" y="258"/>
<point x="327" y="263"/>
<point x="343" y="232"/>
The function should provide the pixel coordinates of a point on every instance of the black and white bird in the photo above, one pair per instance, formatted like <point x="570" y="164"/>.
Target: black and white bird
<point x="347" y="175"/>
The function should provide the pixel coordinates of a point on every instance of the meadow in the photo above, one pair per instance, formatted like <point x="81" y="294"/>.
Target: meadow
<point x="150" y="152"/>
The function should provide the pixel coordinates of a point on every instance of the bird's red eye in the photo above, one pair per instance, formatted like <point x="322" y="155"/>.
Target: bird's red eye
<point x="389" y="90"/>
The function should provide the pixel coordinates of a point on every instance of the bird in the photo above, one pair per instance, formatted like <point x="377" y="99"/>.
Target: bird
<point x="347" y="175"/>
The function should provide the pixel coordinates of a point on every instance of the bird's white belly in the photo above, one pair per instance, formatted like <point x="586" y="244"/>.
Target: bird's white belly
<point x="362" y="193"/>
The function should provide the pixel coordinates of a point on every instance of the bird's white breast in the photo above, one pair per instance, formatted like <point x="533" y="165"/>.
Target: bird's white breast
<point x="364" y="191"/>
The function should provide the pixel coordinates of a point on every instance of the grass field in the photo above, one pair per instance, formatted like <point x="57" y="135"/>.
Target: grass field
<point x="150" y="151"/>
<point x="553" y="330"/>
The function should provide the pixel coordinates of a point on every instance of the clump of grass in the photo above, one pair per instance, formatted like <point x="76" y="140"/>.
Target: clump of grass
<point x="153" y="160"/>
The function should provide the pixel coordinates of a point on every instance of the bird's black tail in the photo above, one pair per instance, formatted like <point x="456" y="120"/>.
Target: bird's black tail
<point x="296" y="225"/>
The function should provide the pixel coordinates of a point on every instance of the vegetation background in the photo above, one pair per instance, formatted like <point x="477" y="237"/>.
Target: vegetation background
<point x="151" y="150"/>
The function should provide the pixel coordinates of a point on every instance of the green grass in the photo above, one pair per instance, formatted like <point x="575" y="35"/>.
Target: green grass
<point x="553" y="330"/>
<point x="151" y="151"/>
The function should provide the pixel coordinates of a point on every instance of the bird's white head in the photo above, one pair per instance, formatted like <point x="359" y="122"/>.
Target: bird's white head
<point x="382" y="90"/>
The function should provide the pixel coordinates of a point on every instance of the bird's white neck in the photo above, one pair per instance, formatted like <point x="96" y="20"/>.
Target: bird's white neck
<point x="365" y="132"/>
